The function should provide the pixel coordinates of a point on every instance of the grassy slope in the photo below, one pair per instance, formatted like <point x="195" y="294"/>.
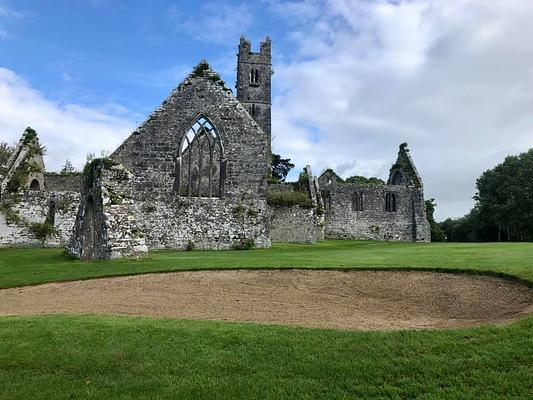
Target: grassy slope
<point x="31" y="266"/>
<point x="63" y="357"/>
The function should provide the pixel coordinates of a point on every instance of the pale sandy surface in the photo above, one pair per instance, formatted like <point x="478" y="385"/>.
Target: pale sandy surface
<point x="370" y="300"/>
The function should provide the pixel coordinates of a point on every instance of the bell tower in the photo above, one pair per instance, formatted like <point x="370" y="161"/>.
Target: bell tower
<point x="254" y="76"/>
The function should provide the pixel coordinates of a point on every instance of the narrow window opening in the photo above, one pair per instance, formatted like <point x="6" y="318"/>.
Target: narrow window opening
<point x="390" y="202"/>
<point x="254" y="76"/>
<point x="51" y="217"/>
<point x="326" y="199"/>
<point x="88" y="250"/>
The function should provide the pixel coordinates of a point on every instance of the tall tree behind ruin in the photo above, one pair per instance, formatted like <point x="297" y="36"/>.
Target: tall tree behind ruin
<point x="5" y="152"/>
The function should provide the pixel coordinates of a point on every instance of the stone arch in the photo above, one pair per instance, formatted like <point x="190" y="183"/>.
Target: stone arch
<point x="397" y="178"/>
<point x="200" y="164"/>
<point x="35" y="185"/>
<point x="88" y="231"/>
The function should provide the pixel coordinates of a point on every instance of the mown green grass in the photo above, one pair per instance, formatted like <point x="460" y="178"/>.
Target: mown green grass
<point x="32" y="266"/>
<point x="64" y="357"/>
<point x="95" y="357"/>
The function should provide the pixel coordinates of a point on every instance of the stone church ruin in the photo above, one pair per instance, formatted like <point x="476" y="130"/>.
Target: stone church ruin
<point x="196" y="175"/>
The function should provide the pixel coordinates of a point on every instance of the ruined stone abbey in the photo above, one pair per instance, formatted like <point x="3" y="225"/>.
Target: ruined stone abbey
<point x="196" y="175"/>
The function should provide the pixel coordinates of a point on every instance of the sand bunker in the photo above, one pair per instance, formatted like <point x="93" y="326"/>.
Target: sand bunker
<point x="370" y="300"/>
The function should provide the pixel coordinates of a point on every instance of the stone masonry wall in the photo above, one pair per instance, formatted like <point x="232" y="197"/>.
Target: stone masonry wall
<point x="343" y="221"/>
<point x="63" y="183"/>
<point x="203" y="223"/>
<point x="295" y="224"/>
<point x="34" y="207"/>
<point x="106" y="224"/>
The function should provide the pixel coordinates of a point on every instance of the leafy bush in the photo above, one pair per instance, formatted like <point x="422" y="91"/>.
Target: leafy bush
<point x="42" y="230"/>
<point x="12" y="217"/>
<point x="289" y="199"/>
<point x="363" y="180"/>
<point x="303" y="182"/>
<point x="246" y="244"/>
<point x="89" y="169"/>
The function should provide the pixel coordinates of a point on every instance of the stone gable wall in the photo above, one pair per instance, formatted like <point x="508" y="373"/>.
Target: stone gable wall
<point x="148" y="153"/>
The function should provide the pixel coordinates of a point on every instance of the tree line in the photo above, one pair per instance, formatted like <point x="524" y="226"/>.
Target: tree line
<point x="503" y="209"/>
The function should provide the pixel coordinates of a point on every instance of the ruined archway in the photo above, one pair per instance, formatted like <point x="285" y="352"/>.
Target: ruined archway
<point x="87" y="250"/>
<point x="35" y="185"/>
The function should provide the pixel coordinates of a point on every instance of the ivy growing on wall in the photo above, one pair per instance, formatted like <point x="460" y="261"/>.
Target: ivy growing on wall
<point x="404" y="164"/>
<point x="41" y="230"/>
<point x="202" y="70"/>
<point x="89" y="169"/>
<point x="19" y="178"/>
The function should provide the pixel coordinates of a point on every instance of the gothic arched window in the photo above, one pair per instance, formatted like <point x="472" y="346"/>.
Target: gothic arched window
<point x="358" y="201"/>
<point x="390" y="202"/>
<point x="200" y="165"/>
<point x="397" y="178"/>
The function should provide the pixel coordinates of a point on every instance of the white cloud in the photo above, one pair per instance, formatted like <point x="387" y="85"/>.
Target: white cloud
<point x="454" y="79"/>
<point x="67" y="130"/>
<point x="216" y="21"/>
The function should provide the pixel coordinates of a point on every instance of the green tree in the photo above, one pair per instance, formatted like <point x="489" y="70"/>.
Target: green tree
<point x="363" y="180"/>
<point x="5" y="152"/>
<point x="505" y="198"/>
<point x="68" y="168"/>
<point x="280" y="167"/>
<point x="504" y="205"/>
<point x="437" y="234"/>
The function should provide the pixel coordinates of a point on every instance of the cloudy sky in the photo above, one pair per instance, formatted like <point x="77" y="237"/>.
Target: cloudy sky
<point x="353" y="78"/>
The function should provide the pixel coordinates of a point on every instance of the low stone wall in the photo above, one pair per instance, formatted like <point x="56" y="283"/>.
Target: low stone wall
<point x="203" y="223"/>
<point x="35" y="207"/>
<point x="54" y="182"/>
<point x="295" y="224"/>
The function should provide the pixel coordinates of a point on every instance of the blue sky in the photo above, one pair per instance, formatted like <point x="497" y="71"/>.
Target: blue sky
<point x="353" y="78"/>
<point x="130" y="53"/>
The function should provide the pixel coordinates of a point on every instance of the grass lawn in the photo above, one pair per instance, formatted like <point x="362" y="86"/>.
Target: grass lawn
<point x="65" y="357"/>
<point x="32" y="266"/>
<point x="90" y="357"/>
